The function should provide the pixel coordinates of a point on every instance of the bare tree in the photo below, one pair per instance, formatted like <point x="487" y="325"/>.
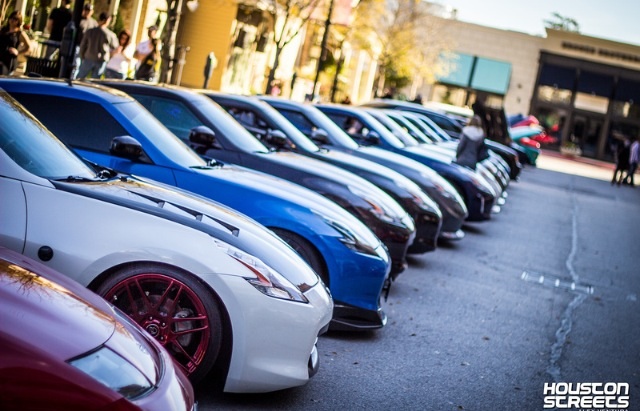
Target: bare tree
<point x="294" y="15"/>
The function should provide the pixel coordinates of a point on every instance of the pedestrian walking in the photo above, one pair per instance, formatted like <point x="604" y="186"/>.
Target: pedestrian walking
<point x="470" y="148"/>
<point x="86" y="22"/>
<point x="13" y="41"/>
<point x="634" y="155"/>
<point x="622" y="162"/>
<point x="57" y="21"/>
<point x="96" y="47"/>
<point x="148" y="65"/>
<point x="119" y="64"/>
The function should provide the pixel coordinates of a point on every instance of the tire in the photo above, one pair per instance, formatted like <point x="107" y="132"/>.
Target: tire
<point x="306" y="250"/>
<point x="162" y="299"/>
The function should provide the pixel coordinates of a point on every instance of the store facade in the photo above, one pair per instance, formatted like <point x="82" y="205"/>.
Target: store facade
<point x="588" y="92"/>
<point x="584" y="90"/>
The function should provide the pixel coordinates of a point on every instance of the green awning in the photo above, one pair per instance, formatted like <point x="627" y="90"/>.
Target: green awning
<point x="491" y="75"/>
<point x="477" y="73"/>
<point x="461" y="66"/>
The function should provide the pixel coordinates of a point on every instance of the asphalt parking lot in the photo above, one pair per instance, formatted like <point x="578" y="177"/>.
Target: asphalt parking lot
<point x="545" y="292"/>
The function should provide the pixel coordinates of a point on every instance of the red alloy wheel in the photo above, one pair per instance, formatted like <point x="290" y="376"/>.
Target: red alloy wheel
<point x="170" y="311"/>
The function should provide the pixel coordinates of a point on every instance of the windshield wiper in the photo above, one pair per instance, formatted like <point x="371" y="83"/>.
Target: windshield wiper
<point x="75" y="179"/>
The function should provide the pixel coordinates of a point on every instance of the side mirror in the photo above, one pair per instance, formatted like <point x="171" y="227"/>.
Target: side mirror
<point x="277" y="139"/>
<point x="202" y="136"/>
<point x="126" y="147"/>
<point x="319" y="136"/>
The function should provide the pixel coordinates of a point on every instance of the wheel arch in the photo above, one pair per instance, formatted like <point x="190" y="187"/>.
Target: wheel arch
<point x="221" y="366"/>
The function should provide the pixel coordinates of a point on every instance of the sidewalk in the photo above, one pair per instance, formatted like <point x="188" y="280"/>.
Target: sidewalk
<point x="581" y="160"/>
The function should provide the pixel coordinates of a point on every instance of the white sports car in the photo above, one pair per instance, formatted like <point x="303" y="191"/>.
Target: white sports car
<point x="219" y="291"/>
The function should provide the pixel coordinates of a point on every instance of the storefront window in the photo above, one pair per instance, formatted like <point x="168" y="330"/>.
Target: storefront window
<point x="618" y="131"/>
<point x="627" y="99"/>
<point x="551" y="94"/>
<point x="626" y="109"/>
<point x="449" y="95"/>
<point x="590" y="102"/>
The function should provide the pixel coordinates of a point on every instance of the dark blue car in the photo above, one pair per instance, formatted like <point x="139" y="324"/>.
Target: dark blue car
<point x="110" y="128"/>
<point x="280" y="135"/>
<point x="364" y="128"/>
<point x="324" y="132"/>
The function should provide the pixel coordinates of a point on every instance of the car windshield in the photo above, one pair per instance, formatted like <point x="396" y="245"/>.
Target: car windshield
<point x="387" y="128"/>
<point x="167" y="142"/>
<point x="289" y="129"/>
<point x="407" y="138"/>
<point x="325" y="123"/>
<point x="226" y="125"/>
<point x="437" y="131"/>
<point x="34" y="148"/>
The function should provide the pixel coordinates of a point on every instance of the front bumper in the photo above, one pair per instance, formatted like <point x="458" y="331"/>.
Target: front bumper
<point x="274" y="340"/>
<point x="349" y="318"/>
<point x="428" y="226"/>
<point x="479" y="206"/>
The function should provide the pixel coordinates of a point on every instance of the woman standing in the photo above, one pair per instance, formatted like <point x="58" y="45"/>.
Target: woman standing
<point x="471" y="146"/>
<point x="13" y="41"/>
<point x="121" y="58"/>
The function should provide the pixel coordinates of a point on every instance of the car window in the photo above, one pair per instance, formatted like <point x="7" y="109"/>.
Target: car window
<point x="339" y="119"/>
<point x="80" y="124"/>
<point x="175" y="115"/>
<point x="298" y="119"/>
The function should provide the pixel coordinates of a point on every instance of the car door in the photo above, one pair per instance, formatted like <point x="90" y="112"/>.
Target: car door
<point x="89" y="128"/>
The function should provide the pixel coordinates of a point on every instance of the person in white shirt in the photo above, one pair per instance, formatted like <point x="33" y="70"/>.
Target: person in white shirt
<point x="145" y="47"/>
<point x="119" y="64"/>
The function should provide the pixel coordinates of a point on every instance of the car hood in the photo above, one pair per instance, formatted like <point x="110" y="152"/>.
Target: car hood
<point x="217" y="220"/>
<point x="48" y="311"/>
<point x="431" y="154"/>
<point x="336" y="175"/>
<point x="349" y="160"/>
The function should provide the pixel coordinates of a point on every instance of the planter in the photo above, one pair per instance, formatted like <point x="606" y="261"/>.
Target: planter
<point x="571" y="151"/>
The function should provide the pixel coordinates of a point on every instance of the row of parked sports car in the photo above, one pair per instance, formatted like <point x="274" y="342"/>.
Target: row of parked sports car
<point x="233" y="229"/>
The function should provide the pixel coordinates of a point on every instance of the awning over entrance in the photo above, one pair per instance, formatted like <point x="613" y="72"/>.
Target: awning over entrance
<point x="478" y="73"/>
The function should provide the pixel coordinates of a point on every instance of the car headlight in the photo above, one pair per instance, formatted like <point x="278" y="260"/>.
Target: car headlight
<point x="479" y="182"/>
<point x="109" y="368"/>
<point x="362" y="242"/>
<point x="424" y="202"/>
<point x="387" y="211"/>
<point x="266" y="280"/>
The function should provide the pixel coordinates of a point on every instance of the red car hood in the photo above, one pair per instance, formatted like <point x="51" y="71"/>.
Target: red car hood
<point x="49" y="311"/>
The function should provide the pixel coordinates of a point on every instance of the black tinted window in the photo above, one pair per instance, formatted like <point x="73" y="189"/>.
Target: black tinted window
<point x="339" y="119"/>
<point x="78" y="123"/>
<point x="175" y="115"/>
<point x="298" y="119"/>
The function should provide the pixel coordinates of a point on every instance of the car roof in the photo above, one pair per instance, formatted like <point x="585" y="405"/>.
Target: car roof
<point x="88" y="91"/>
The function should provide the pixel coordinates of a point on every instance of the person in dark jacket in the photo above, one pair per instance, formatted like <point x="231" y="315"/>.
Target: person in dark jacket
<point x="13" y="41"/>
<point x="96" y="47"/>
<point x="622" y="162"/>
<point x="470" y="148"/>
